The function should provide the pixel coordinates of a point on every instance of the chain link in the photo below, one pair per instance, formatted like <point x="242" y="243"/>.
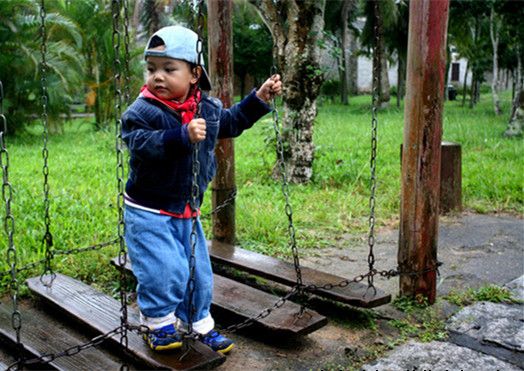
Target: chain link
<point x="9" y="227"/>
<point x="69" y="352"/>
<point x="195" y="190"/>
<point x="127" y="56"/>
<point x="61" y="252"/>
<point x="373" y="158"/>
<point x="116" y="7"/>
<point x="285" y="189"/>
<point x="47" y="240"/>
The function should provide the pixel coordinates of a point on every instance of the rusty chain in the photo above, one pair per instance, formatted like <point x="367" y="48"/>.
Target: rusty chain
<point x="62" y="252"/>
<point x="116" y="7"/>
<point x="9" y="227"/>
<point x="195" y="190"/>
<point x="47" y="240"/>
<point x="69" y="352"/>
<point x="285" y="188"/>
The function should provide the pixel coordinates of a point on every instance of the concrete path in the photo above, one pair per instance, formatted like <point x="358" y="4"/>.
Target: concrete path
<point x="475" y="250"/>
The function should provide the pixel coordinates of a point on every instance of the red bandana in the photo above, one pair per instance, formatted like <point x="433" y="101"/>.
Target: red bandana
<point x="186" y="109"/>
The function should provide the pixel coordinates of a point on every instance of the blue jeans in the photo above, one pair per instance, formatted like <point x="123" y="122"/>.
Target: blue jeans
<point x="160" y="250"/>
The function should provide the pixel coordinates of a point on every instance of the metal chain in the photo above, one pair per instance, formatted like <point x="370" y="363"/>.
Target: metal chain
<point x="62" y="252"/>
<point x="47" y="240"/>
<point x="127" y="56"/>
<point x="122" y="256"/>
<point x="285" y="188"/>
<point x="373" y="159"/>
<point x="9" y="226"/>
<point x="195" y="190"/>
<point x="48" y="358"/>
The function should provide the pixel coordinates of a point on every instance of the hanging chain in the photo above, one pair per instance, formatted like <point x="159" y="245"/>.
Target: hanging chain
<point x="195" y="190"/>
<point x="285" y="188"/>
<point x="69" y="352"/>
<point x="373" y="159"/>
<point x="127" y="56"/>
<point x="9" y="226"/>
<point x="48" y="237"/>
<point x="122" y="256"/>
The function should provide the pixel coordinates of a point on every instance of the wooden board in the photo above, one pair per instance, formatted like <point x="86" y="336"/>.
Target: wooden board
<point x="239" y="302"/>
<point x="41" y="334"/>
<point x="101" y="313"/>
<point x="279" y="271"/>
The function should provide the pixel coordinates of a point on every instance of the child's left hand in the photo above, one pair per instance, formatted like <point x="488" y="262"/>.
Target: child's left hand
<point x="270" y="88"/>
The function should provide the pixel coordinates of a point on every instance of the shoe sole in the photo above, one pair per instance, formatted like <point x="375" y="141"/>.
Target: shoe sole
<point x="161" y="348"/>
<point x="226" y="350"/>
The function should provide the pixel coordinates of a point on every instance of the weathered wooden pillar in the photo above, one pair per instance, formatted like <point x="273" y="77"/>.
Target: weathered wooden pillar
<point x="417" y="255"/>
<point x="450" y="177"/>
<point x="220" y="36"/>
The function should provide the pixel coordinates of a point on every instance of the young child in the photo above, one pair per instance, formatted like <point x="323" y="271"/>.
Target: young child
<point x="159" y="129"/>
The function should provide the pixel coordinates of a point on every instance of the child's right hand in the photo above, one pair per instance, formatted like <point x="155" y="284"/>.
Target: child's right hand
<point x="196" y="130"/>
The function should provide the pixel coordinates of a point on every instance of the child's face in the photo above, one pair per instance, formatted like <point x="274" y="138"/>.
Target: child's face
<point x="168" y="78"/>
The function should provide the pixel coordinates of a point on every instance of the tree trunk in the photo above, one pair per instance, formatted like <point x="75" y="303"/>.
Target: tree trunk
<point x="296" y="27"/>
<point x="344" y="65"/>
<point x="494" y="27"/>
<point x="465" y="84"/>
<point x="401" y="79"/>
<point x="516" y="122"/>
<point x="380" y="68"/>
<point x="353" y="64"/>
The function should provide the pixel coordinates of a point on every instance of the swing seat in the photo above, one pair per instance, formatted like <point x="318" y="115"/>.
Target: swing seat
<point x="237" y="302"/>
<point x="100" y="313"/>
<point x="356" y="294"/>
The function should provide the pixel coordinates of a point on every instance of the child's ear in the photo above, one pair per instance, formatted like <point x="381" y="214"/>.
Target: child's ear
<point x="197" y="72"/>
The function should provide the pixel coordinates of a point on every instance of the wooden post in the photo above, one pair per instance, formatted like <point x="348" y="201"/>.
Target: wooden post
<point x="220" y="31"/>
<point x="450" y="177"/>
<point x="417" y="255"/>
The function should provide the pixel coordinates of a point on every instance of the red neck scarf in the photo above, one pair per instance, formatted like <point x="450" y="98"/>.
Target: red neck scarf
<point x="186" y="109"/>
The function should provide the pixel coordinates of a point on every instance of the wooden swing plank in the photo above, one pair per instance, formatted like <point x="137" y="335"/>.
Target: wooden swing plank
<point x="101" y="313"/>
<point x="354" y="293"/>
<point x="41" y="334"/>
<point x="239" y="302"/>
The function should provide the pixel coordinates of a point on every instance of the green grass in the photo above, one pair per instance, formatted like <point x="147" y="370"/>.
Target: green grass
<point x="83" y="183"/>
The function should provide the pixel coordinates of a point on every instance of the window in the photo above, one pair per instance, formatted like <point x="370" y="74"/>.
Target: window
<point x="455" y="71"/>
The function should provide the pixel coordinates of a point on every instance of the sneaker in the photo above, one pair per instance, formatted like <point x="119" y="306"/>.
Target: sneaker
<point x="163" y="338"/>
<point x="219" y="343"/>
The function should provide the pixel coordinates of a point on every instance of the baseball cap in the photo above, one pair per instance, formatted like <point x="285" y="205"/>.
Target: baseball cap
<point x="180" y="43"/>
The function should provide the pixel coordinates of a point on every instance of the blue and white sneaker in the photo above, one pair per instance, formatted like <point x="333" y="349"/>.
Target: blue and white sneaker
<point x="164" y="338"/>
<point x="219" y="343"/>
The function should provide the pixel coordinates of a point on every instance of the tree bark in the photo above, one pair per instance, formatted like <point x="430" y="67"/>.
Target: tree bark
<point x="494" y="28"/>
<point x="296" y="27"/>
<point x="465" y="84"/>
<point x="380" y="82"/>
<point x="353" y="64"/>
<point x="344" y="70"/>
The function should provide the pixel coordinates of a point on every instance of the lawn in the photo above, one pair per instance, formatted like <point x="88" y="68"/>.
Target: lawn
<point x="83" y="183"/>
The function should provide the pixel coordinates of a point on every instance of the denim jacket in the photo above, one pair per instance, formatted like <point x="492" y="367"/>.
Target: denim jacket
<point x="160" y="174"/>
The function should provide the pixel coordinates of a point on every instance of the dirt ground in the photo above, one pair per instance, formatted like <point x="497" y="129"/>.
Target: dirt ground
<point x="475" y="250"/>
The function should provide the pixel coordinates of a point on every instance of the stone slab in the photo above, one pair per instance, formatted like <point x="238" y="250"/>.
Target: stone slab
<point x="491" y="328"/>
<point x="437" y="356"/>
<point x="516" y="287"/>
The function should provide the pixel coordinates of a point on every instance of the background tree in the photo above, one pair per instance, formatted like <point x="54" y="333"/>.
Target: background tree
<point x="338" y="17"/>
<point x="469" y="34"/>
<point x="20" y="43"/>
<point x="97" y="50"/>
<point x="373" y="38"/>
<point x="396" y="40"/>
<point x="296" y="28"/>
<point x="252" y="45"/>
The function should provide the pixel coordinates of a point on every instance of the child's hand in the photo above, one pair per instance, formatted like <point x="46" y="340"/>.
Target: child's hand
<point x="270" y="88"/>
<point x="196" y="130"/>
